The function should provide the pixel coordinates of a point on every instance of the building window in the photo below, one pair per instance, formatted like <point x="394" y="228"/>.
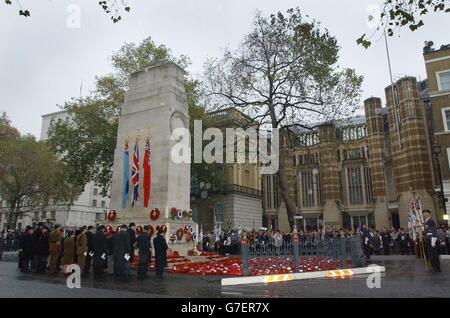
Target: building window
<point x="103" y="204"/>
<point x="444" y="80"/>
<point x="43" y="215"/>
<point x="53" y="213"/>
<point x="94" y="203"/>
<point x="307" y="189"/>
<point x="355" y="185"/>
<point x="95" y="191"/>
<point x="446" y="118"/>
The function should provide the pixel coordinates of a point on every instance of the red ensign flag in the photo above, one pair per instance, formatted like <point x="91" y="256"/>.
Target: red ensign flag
<point x="147" y="173"/>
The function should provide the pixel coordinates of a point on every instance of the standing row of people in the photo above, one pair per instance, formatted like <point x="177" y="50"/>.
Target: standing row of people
<point x="42" y="249"/>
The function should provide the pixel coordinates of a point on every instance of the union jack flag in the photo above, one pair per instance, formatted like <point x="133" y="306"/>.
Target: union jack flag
<point x="135" y="173"/>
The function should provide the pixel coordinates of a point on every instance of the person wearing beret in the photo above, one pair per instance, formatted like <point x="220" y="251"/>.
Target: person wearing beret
<point x="69" y="250"/>
<point x="431" y="241"/>
<point x="81" y="247"/>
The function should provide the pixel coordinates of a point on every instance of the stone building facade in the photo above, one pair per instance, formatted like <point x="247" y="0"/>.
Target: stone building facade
<point x="437" y="64"/>
<point x="240" y="202"/>
<point x="363" y="170"/>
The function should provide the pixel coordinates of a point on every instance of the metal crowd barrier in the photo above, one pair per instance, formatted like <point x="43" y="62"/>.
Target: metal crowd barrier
<point x="343" y="249"/>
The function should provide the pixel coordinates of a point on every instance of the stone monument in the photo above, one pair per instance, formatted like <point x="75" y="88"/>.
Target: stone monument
<point x="155" y="105"/>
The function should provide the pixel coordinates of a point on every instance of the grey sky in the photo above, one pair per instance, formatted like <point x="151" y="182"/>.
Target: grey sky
<point x="42" y="61"/>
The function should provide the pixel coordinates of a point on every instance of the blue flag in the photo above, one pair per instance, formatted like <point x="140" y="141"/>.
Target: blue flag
<point x="126" y="176"/>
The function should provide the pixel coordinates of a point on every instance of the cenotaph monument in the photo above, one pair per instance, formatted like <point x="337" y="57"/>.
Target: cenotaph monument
<point x="155" y="105"/>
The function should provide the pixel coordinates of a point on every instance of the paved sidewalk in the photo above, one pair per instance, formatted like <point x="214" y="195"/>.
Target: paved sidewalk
<point x="403" y="278"/>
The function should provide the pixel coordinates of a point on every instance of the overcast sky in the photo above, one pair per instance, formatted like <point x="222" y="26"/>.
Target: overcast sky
<point x="43" y="62"/>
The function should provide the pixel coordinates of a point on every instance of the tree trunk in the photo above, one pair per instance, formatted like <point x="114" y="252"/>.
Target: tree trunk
<point x="283" y="186"/>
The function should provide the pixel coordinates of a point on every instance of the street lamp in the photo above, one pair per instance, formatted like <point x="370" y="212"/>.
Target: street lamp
<point x="437" y="150"/>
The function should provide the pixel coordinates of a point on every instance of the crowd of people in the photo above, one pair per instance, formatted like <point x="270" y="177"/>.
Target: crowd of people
<point x="51" y="250"/>
<point x="379" y="241"/>
<point x="42" y="250"/>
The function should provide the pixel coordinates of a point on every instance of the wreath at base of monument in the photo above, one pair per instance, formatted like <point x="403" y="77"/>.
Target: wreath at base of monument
<point x="162" y="227"/>
<point x="180" y="234"/>
<point x="173" y="213"/>
<point x="139" y="230"/>
<point x="154" y="214"/>
<point x="188" y="238"/>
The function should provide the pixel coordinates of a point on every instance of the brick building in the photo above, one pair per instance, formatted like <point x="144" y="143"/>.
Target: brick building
<point x="363" y="170"/>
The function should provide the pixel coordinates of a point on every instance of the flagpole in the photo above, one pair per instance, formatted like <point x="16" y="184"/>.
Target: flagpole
<point x="420" y="221"/>
<point x="394" y="98"/>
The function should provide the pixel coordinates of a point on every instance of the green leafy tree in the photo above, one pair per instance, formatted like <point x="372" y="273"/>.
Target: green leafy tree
<point x="6" y="130"/>
<point x="398" y="14"/>
<point x="114" y="8"/>
<point x="284" y="75"/>
<point x="31" y="177"/>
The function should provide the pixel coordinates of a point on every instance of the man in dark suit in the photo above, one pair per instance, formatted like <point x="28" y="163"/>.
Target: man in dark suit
<point x="132" y="232"/>
<point x="143" y="245"/>
<point x="100" y="251"/>
<point x="431" y="241"/>
<point x="160" y="245"/>
<point x="89" y="234"/>
<point x="121" y="251"/>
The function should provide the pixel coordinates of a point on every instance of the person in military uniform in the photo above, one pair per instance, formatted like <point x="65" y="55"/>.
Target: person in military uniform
<point x="100" y="250"/>
<point x="81" y="247"/>
<point x="431" y="241"/>
<point x="403" y="239"/>
<point x="121" y="250"/>
<point x="143" y="245"/>
<point x="69" y="250"/>
<point x="160" y="245"/>
<point x="54" y="248"/>
<point x="90" y="232"/>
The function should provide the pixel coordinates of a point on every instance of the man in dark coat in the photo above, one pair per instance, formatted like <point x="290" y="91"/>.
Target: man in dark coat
<point x="121" y="251"/>
<point x="160" y="245"/>
<point x="41" y="250"/>
<point x="143" y="245"/>
<point x="365" y="240"/>
<point x="100" y="251"/>
<point x="132" y="232"/>
<point x="36" y="236"/>
<point x="431" y="241"/>
<point x="89" y="234"/>
<point x="26" y="245"/>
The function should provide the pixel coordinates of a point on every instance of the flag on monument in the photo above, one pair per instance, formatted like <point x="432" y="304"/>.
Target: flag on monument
<point x="135" y="173"/>
<point x="126" y="176"/>
<point x="147" y="173"/>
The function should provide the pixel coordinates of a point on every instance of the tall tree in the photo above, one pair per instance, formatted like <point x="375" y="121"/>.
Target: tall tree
<point x="284" y="75"/>
<point x="395" y="15"/>
<point x="31" y="177"/>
